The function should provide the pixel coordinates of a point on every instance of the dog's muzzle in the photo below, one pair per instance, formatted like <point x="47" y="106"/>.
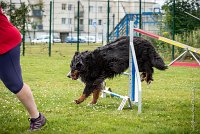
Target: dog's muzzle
<point x="73" y="74"/>
<point x="69" y="74"/>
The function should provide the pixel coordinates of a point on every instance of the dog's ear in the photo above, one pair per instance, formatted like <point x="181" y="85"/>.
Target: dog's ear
<point x="77" y="52"/>
<point x="79" y="64"/>
<point x="89" y="56"/>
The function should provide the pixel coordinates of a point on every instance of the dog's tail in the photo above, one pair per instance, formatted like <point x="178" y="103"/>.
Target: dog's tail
<point x="156" y="60"/>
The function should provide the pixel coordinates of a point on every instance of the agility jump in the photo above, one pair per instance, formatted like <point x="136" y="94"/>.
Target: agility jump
<point x="172" y="42"/>
<point x="135" y="89"/>
<point x="94" y="67"/>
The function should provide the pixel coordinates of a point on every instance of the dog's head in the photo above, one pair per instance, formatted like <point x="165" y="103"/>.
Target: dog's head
<point x="76" y="65"/>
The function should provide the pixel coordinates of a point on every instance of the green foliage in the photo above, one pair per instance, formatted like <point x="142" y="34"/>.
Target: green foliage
<point x="17" y="14"/>
<point x="190" y="38"/>
<point x="167" y="102"/>
<point x="3" y="4"/>
<point x="163" y="48"/>
<point x="183" y="22"/>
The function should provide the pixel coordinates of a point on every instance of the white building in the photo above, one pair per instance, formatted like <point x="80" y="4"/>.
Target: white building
<point x="93" y="16"/>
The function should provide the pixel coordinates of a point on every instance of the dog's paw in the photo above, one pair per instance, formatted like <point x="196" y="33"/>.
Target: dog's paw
<point x="77" y="101"/>
<point x="149" y="82"/>
<point x="93" y="102"/>
<point x="142" y="79"/>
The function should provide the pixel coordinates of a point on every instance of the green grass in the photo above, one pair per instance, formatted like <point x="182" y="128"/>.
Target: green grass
<point x="167" y="102"/>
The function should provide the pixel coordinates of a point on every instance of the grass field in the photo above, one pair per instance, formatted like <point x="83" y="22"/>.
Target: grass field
<point x="167" y="102"/>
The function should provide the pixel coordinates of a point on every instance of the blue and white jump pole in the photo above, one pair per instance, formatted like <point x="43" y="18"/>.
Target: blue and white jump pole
<point x="135" y="89"/>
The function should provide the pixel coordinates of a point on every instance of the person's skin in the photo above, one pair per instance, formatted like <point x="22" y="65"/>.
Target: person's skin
<point x="26" y="97"/>
<point x="25" y="94"/>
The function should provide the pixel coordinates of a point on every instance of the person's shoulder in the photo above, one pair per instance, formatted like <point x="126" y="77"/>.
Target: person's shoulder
<point x="1" y="10"/>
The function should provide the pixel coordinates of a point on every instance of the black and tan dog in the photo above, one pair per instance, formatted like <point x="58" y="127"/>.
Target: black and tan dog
<point x="93" y="67"/>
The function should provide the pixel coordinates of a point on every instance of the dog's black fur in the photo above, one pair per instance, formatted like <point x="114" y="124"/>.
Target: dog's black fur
<point x="93" y="67"/>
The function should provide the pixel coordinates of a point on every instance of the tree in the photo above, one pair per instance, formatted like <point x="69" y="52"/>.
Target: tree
<point x="183" y="21"/>
<point x="17" y="15"/>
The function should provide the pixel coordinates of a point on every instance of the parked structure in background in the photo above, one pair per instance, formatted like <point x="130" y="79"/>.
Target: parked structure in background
<point x="93" y="16"/>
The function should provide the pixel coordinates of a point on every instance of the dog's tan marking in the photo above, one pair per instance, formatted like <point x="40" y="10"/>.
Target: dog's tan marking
<point x="147" y="79"/>
<point x="81" y="99"/>
<point x="143" y="76"/>
<point x="95" y="96"/>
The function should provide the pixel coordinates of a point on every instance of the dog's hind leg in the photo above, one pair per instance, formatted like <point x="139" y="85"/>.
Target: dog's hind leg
<point x="149" y="77"/>
<point x="96" y="92"/>
<point x="95" y="96"/>
<point x="143" y="76"/>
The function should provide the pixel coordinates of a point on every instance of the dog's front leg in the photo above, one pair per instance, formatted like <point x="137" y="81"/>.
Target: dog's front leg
<point x="97" y="91"/>
<point x="80" y="99"/>
<point x="87" y="91"/>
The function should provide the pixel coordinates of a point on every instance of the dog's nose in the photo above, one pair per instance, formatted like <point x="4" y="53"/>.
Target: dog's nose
<point x="69" y="74"/>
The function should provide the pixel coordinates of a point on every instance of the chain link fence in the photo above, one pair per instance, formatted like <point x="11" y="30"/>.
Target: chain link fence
<point x="62" y="23"/>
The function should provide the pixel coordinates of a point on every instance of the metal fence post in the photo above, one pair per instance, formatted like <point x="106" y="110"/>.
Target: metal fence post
<point x="78" y="20"/>
<point x="24" y="31"/>
<point x="50" y="28"/>
<point x="173" y="28"/>
<point x="140" y="14"/>
<point x="88" y="20"/>
<point x="108" y="21"/>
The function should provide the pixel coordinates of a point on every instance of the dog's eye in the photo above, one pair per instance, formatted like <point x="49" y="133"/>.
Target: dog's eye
<point x="78" y="65"/>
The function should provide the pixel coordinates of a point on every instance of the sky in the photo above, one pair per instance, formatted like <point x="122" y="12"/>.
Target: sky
<point x="161" y="2"/>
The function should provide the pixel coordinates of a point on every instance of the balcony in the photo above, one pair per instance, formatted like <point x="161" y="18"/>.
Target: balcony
<point x="81" y="14"/>
<point x="37" y="13"/>
<point x="40" y="27"/>
<point x="81" y="28"/>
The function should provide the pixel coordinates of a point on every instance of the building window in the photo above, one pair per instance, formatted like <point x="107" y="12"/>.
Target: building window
<point x="91" y="8"/>
<point x="99" y="22"/>
<point x="69" y="21"/>
<point x="150" y="10"/>
<point x="63" y="6"/>
<point x="90" y="21"/>
<point x="69" y="7"/>
<point x="37" y="13"/>
<point x="81" y="21"/>
<point x="100" y="9"/>
<point x="63" y="21"/>
<point x="142" y="9"/>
